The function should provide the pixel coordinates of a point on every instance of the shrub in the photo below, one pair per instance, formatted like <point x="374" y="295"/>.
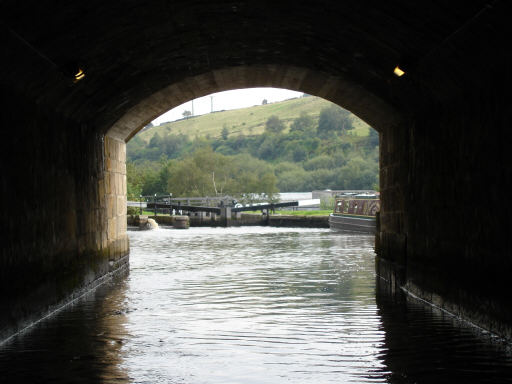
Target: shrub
<point x="133" y="211"/>
<point x="327" y="203"/>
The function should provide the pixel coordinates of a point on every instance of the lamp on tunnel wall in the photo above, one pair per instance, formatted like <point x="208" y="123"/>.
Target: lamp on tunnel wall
<point x="405" y="64"/>
<point x="74" y="71"/>
<point x="79" y="75"/>
<point x="398" y="71"/>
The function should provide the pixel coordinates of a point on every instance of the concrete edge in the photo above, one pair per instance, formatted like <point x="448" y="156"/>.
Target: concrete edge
<point x="394" y="277"/>
<point x="116" y="268"/>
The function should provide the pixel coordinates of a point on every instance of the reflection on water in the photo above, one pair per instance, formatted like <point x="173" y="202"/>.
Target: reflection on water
<point x="423" y="345"/>
<point x="250" y="305"/>
<point x="81" y="344"/>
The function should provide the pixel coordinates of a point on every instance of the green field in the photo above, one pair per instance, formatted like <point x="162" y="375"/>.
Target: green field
<point x="248" y="121"/>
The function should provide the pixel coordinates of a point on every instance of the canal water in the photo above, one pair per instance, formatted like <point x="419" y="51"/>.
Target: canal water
<point x="251" y="305"/>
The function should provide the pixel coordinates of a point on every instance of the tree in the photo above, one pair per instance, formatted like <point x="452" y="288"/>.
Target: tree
<point x="207" y="173"/>
<point x="224" y="133"/>
<point x="134" y="179"/>
<point x="294" y="180"/>
<point x="333" y="120"/>
<point x="186" y="114"/>
<point x="299" y="154"/>
<point x="267" y="185"/>
<point x="373" y="138"/>
<point x="156" y="141"/>
<point x="304" y="124"/>
<point x="268" y="148"/>
<point x="253" y="176"/>
<point x="173" y="145"/>
<point x="264" y="102"/>
<point x="358" y="173"/>
<point x="274" y="125"/>
<point x="319" y="162"/>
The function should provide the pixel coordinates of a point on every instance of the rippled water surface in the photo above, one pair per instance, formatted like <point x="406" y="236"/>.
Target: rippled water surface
<point x="251" y="305"/>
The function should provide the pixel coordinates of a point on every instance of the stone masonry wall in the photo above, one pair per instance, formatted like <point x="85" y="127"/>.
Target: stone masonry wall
<point x="60" y="191"/>
<point x="114" y="185"/>
<point x="445" y="207"/>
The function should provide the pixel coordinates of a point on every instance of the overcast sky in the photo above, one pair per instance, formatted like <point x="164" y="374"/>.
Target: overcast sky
<point x="238" y="98"/>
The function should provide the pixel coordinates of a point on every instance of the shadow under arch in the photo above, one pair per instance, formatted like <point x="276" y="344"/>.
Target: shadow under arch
<point x="342" y="91"/>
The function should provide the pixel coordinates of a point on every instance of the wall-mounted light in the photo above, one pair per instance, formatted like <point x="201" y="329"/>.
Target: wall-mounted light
<point x="79" y="75"/>
<point x="398" y="71"/>
<point x="74" y="71"/>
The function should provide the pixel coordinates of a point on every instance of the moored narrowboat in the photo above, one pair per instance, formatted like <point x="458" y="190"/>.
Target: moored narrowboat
<point x="354" y="214"/>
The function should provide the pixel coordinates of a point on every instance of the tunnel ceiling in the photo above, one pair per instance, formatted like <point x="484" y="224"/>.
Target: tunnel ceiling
<point x="134" y="50"/>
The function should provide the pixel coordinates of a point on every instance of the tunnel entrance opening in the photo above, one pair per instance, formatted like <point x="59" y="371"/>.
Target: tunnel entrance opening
<point x="303" y="143"/>
<point x="336" y="89"/>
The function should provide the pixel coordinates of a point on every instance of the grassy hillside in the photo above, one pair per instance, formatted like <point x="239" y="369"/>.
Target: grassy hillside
<point x="193" y="158"/>
<point x="249" y="121"/>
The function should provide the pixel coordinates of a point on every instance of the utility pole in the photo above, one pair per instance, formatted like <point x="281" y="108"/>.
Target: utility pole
<point x="192" y="107"/>
<point x="211" y="102"/>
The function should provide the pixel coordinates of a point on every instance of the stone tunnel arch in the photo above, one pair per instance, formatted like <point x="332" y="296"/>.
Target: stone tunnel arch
<point x="376" y="112"/>
<point x="444" y="128"/>
<point x="347" y="94"/>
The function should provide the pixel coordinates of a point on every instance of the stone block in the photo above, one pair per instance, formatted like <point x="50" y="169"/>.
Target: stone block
<point x="124" y="186"/>
<point x="101" y="187"/>
<point x="104" y="239"/>
<point x="111" y="206"/>
<point x="113" y="184"/>
<point x="121" y="205"/>
<point x="122" y="168"/>
<point x="122" y="152"/>
<point x="112" y="229"/>
<point x="120" y="226"/>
